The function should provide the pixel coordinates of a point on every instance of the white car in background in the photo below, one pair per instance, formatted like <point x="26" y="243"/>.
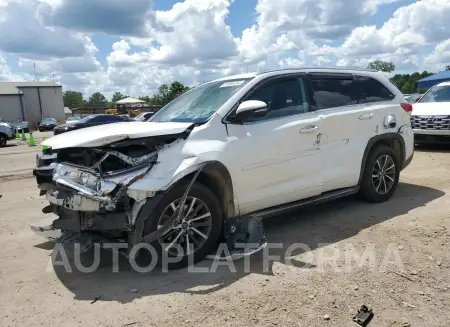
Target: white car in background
<point x="430" y="118"/>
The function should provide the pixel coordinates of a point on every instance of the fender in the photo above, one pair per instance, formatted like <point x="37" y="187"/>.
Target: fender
<point x="383" y="137"/>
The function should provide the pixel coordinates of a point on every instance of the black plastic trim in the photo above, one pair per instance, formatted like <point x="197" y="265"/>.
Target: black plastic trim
<point x="374" y="140"/>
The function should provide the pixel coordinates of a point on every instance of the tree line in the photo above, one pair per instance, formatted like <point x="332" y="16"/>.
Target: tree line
<point x="407" y="83"/>
<point x="165" y="94"/>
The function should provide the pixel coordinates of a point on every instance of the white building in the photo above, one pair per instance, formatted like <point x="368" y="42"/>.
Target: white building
<point x="31" y="101"/>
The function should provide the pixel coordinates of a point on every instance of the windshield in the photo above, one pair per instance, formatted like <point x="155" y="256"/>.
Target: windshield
<point x="437" y="94"/>
<point x="48" y="121"/>
<point x="200" y="103"/>
<point x="73" y="118"/>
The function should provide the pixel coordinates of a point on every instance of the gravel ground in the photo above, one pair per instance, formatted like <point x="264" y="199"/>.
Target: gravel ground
<point x="392" y="257"/>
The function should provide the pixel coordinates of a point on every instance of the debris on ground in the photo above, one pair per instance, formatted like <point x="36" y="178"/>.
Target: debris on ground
<point x="364" y="316"/>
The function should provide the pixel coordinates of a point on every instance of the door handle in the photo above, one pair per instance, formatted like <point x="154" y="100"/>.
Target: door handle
<point x="309" y="129"/>
<point x="366" y="116"/>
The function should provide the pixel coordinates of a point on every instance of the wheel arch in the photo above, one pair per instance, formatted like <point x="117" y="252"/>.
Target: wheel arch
<point x="393" y="140"/>
<point x="217" y="178"/>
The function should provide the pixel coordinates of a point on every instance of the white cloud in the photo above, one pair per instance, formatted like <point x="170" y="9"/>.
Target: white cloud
<point x="192" y="42"/>
<point x="23" y="33"/>
<point x="439" y="58"/>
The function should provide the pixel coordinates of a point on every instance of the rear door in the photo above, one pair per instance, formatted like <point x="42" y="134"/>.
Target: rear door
<point x="346" y="127"/>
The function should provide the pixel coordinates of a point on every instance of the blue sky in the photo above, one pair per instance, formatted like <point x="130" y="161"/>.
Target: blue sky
<point x="134" y="46"/>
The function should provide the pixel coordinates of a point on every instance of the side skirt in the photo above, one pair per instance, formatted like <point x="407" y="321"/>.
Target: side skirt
<point x="292" y="206"/>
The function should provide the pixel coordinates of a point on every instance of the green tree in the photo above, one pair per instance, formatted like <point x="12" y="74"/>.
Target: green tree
<point x="165" y="94"/>
<point x="384" y="66"/>
<point x="73" y="99"/>
<point x="118" y="96"/>
<point x="97" y="99"/>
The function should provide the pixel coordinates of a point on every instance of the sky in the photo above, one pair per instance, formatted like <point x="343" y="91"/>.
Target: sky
<point x="134" y="46"/>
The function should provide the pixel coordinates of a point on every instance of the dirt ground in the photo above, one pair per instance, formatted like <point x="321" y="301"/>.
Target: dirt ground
<point x="401" y="273"/>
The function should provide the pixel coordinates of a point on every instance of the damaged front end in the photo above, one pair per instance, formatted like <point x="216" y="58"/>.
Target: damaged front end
<point x="87" y="188"/>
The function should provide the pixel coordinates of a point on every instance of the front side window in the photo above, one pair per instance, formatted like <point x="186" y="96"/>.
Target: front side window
<point x="198" y="104"/>
<point x="437" y="94"/>
<point x="372" y="90"/>
<point x="334" y="92"/>
<point x="284" y="97"/>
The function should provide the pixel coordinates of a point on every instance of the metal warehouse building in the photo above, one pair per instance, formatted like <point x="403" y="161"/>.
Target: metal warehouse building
<point x="31" y="101"/>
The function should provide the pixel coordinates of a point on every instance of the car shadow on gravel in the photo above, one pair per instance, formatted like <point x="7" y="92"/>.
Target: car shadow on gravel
<point x="324" y="224"/>
<point x="443" y="148"/>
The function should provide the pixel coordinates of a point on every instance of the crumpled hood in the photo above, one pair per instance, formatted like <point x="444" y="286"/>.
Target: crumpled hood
<point x="109" y="133"/>
<point x="431" y="109"/>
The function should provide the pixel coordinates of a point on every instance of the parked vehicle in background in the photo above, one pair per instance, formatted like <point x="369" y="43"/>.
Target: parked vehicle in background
<point x="143" y="116"/>
<point x="47" y="124"/>
<point x="412" y="98"/>
<point x="7" y="132"/>
<point x="89" y="121"/>
<point x="72" y="119"/>
<point x="430" y="118"/>
<point x="251" y="144"/>
<point x="23" y="125"/>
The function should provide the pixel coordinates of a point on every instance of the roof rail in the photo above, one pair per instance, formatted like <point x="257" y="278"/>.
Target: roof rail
<point x="315" y="67"/>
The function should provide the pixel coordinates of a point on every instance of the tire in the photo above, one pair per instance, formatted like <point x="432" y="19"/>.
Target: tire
<point x="373" y="189"/>
<point x="2" y="141"/>
<point x="200" y="192"/>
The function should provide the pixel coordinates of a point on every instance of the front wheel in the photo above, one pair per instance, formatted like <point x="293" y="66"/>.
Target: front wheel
<point x="2" y="141"/>
<point x="381" y="175"/>
<point x="196" y="234"/>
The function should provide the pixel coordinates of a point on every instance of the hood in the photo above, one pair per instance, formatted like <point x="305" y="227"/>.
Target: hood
<point x="109" y="133"/>
<point x="431" y="109"/>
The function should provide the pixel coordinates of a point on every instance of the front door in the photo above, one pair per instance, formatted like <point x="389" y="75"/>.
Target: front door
<point x="277" y="155"/>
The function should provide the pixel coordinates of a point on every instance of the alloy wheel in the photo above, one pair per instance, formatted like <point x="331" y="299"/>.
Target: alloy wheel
<point x="191" y="231"/>
<point x="383" y="174"/>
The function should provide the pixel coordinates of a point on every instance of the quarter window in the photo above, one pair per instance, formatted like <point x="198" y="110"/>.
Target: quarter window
<point x="372" y="90"/>
<point x="284" y="97"/>
<point x="334" y="92"/>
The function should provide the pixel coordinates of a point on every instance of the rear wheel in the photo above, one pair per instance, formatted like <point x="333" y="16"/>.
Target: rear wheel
<point x="195" y="234"/>
<point x="381" y="175"/>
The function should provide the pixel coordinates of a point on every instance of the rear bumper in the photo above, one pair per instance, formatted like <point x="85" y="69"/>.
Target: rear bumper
<point x="46" y="128"/>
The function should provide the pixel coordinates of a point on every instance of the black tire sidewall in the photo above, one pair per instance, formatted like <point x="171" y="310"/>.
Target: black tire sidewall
<point x="368" y="191"/>
<point x="199" y="191"/>
<point x="2" y="141"/>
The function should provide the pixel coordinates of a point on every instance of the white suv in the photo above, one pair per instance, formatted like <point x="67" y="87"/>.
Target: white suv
<point x="252" y="144"/>
<point x="431" y="115"/>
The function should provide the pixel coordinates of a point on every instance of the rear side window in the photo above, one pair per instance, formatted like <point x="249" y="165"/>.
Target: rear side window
<point x="330" y="92"/>
<point x="372" y="90"/>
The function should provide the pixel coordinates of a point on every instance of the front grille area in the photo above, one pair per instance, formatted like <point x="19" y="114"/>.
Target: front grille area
<point x="431" y="122"/>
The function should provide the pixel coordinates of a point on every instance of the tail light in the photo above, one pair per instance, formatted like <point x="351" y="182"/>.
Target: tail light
<point x="407" y="107"/>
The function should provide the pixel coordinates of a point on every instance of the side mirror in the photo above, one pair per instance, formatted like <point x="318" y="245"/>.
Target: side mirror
<point x="251" y="106"/>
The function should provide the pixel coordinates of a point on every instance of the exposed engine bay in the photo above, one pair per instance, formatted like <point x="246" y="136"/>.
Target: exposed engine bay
<point x="87" y="187"/>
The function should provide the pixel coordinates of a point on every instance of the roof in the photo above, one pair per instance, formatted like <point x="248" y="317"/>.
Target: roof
<point x="35" y="84"/>
<point x="129" y="101"/>
<point x="9" y="89"/>
<point x="348" y="70"/>
<point x="439" y="76"/>
<point x="13" y="88"/>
